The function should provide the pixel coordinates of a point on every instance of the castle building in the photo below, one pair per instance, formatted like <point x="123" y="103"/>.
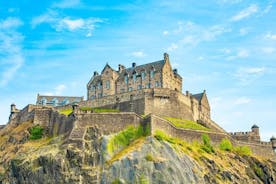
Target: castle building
<point x="157" y="74"/>
<point x="55" y="101"/>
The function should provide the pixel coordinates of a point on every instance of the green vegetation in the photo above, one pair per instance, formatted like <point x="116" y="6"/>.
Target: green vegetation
<point x="143" y="180"/>
<point x="125" y="137"/>
<point x="65" y="111"/>
<point x="242" y="150"/>
<point x="149" y="157"/>
<point x="207" y="147"/>
<point x="36" y="132"/>
<point x="226" y="145"/>
<point x="116" y="181"/>
<point x="186" y="124"/>
<point x="96" y="110"/>
<point x="259" y="172"/>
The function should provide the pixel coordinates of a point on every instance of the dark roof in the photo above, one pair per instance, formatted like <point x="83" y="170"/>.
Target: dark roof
<point x="254" y="126"/>
<point x="198" y="96"/>
<point x="59" y="98"/>
<point x="157" y="66"/>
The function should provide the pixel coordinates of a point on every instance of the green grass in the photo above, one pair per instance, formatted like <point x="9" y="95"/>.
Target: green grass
<point x="99" y="110"/>
<point x="124" y="138"/>
<point x="65" y="111"/>
<point x="207" y="147"/>
<point x="225" y="145"/>
<point x="186" y="124"/>
<point x="243" y="150"/>
<point x="36" y="132"/>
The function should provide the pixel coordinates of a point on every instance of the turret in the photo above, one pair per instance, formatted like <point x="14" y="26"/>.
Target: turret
<point x="13" y="108"/>
<point x="273" y="142"/>
<point x="255" y="130"/>
<point x="121" y="68"/>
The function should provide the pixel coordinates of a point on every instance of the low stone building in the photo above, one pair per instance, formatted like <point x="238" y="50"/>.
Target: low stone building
<point x="57" y="100"/>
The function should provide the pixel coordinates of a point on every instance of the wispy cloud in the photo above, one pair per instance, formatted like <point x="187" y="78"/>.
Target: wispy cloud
<point x="138" y="54"/>
<point x="248" y="75"/>
<point x="10" y="48"/>
<point x="58" y="90"/>
<point x="194" y="34"/>
<point x="61" y="23"/>
<point x="270" y="36"/>
<point x="229" y="1"/>
<point x="242" y="100"/>
<point x="247" y="12"/>
<point x="241" y="53"/>
<point x="67" y="4"/>
<point x="268" y="50"/>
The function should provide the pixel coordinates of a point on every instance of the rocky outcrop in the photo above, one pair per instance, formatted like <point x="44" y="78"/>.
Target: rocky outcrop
<point x="55" y="160"/>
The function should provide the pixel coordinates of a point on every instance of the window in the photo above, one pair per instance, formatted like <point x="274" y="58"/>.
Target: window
<point x="107" y="84"/>
<point x="156" y="84"/>
<point x="99" y="85"/>
<point x="93" y="88"/>
<point x="100" y="95"/>
<point x="139" y="87"/>
<point x="43" y="101"/>
<point x="130" y="89"/>
<point x="152" y="74"/>
<point x="143" y="75"/>
<point x="122" y="90"/>
<point x="126" y="79"/>
<point x="148" y="85"/>
<point x="134" y="77"/>
<point x="92" y="97"/>
<point x="55" y="101"/>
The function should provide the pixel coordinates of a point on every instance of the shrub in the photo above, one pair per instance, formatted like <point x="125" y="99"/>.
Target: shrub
<point x="207" y="147"/>
<point x="243" y="150"/>
<point x="36" y="132"/>
<point x="124" y="138"/>
<point x="259" y="172"/>
<point x="149" y="157"/>
<point x="226" y="145"/>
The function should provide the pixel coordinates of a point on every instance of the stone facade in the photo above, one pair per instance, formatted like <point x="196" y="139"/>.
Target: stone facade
<point x="157" y="74"/>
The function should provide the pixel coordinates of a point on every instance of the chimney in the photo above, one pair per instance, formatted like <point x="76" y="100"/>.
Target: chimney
<point x="96" y="73"/>
<point x="166" y="57"/>
<point x="175" y="71"/>
<point x="121" y="68"/>
<point x="133" y="65"/>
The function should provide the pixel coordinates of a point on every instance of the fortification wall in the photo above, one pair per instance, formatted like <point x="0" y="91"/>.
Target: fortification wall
<point x="108" y="123"/>
<point x="263" y="149"/>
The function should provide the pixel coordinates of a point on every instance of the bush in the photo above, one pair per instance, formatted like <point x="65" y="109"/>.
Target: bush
<point x="124" y="138"/>
<point x="149" y="157"/>
<point x="207" y="147"/>
<point x="226" y="145"/>
<point x="36" y="132"/>
<point x="243" y="150"/>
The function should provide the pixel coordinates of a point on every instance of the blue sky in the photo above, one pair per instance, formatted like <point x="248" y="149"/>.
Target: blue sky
<point x="227" y="47"/>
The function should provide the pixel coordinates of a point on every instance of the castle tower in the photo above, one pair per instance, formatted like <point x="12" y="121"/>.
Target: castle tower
<point x="256" y="133"/>
<point x="273" y="142"/>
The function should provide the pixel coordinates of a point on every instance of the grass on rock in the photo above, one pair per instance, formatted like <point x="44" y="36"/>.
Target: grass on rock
<point x="186" y="124"/>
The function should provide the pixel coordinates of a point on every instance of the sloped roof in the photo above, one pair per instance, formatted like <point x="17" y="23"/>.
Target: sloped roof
<point x="157" y="65"/>
<point x="198" y="96"/>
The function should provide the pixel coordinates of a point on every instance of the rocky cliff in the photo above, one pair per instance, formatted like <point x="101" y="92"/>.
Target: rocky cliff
<point x="144" y="159"/>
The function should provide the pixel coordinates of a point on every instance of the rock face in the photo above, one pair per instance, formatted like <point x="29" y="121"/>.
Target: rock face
<point x="56" y="160"/>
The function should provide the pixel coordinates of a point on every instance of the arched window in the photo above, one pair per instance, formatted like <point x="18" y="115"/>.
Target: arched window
<point x="99" y="85"/>
<point x="143" y="75"/>
<point x="107" y="84"/>
<point x="44" y="101"/>
<point x="156" y="84"/>
<point x="134" y="77"/>
<point x="151" y="73"/>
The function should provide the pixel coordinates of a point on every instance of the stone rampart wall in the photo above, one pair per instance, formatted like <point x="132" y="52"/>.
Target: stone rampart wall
<point x="108" y="123"/>
<point x="263" y="149"/>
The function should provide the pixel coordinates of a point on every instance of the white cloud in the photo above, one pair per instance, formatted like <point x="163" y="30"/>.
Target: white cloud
<point x="67" y="4"/>
<point x="138" y="54"/>
<point x="165" y="32"/>
<point x="58" y="90"/>
<point x="248" y="75"/>
<point x="270" y="36"/>
<point x="243" y="31"/>
<point x="267" y="9"/>
<point x="172" y="47"/>
<point x="253" y="8"/>
<point x="242" y="100"/>
<point x="10" y="48"/>
<point x="60" y="23"/>
<point x="241" y="53"/>
<point x="229" y="1"/>
<point x="268" y="50"/>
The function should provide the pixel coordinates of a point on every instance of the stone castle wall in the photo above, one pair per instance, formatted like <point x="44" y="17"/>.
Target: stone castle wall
<point x="263" y="149"/>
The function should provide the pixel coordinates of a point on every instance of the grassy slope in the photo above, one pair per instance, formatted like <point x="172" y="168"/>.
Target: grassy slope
<point x="187" y="124"/>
